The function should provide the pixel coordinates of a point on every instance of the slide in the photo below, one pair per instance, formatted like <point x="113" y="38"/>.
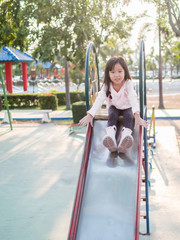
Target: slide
<point x="107" y="201"/>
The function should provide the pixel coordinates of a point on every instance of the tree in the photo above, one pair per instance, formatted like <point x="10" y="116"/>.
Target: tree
<point x="165" y="34"/>
<point x="161" y="104"/>
<point x="14" y="24"/>
<point x="151" y="62"/>
<point x="173" y="9"/>
<point x="64" y="28"/>
<point x="67" y="85"/>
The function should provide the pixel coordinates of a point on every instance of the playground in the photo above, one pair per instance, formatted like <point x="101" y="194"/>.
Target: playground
<point x="39" y="177"/>
<point x="59" y="182"/>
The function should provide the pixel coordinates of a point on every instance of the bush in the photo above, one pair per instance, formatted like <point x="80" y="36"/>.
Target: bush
<point x="75" y="96"/>
<point x="31" y="100"/>
<point x="78" y="110"/>
<point x="21" y="100"/>
<point x="48" y="101"/>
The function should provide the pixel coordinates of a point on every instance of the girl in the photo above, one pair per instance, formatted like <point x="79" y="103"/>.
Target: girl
<point x="121" y="99"/>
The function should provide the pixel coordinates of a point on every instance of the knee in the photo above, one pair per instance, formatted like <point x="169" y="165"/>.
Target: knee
<point x="128" y="115"/>
<point x="112" y="112"/>
<point x="112" y="108"/>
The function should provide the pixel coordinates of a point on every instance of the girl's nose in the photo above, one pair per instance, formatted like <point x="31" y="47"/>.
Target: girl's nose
<point x="116" y="73"/>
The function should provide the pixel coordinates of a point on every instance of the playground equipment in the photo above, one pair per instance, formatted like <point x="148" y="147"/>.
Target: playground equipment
<point x="6" y="102"/>
<point x="108" y="197"/>
<point x="92" y="82"/>
<point x="151" y="130"/>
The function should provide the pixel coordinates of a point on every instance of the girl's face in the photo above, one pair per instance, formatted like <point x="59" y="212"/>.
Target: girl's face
<point x="117" y="74"/>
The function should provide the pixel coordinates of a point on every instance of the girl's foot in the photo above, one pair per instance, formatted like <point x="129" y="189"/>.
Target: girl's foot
<point x="109" y="139"/>
<point x="126" y="140"/>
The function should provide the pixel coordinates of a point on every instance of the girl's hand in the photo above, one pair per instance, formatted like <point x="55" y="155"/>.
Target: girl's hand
<point x="87" y="119"/>
<point x="139" y="121"/>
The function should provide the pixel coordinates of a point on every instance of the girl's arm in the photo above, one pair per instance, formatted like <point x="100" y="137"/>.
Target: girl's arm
<point x="139" y="120"/>
<point x="135" y="106"/>
<point x="87" y="119"/>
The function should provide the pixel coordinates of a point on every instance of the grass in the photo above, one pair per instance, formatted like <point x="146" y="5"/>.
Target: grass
<point x="63" y="122"/>
<point x="62" y="108"/>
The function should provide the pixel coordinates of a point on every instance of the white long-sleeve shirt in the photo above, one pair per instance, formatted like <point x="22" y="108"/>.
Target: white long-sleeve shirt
<point x="124" y="99"/>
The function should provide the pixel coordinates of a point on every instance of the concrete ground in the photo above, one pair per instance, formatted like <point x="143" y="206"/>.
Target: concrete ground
<point x="164" y="191"/>
<point x="39" y="168"/>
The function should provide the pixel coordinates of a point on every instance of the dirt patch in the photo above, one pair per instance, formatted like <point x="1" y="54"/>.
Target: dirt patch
<point x="169" y="101"/>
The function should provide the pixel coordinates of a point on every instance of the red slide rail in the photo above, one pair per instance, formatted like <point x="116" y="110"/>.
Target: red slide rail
<point x="80" y="186"/>
<point x="139" y="180"/>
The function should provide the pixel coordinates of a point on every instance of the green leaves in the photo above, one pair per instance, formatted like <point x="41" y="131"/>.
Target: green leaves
<point x="61" y="27"/>
<point x="68" y="26"/>
<point x="13" y="26"/>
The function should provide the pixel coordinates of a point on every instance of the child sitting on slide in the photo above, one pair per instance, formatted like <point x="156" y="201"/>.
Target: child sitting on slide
<point x="121" y="98"/>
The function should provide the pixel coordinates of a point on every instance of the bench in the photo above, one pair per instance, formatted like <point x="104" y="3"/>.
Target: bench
<point x="45" y="115"/>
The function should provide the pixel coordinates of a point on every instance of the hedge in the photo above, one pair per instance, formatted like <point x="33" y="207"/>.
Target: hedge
<point x="21" y="100"/>
<point x="48" y="101"/>
<point x="75" y="96"/>
<point x="32" y="100"/>
<point x="78" y="110"/>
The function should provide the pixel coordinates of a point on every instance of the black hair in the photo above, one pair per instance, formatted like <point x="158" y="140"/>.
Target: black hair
<point x="109" y="67"/>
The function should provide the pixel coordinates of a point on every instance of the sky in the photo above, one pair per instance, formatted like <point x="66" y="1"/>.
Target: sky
<point x="135" y="8"/>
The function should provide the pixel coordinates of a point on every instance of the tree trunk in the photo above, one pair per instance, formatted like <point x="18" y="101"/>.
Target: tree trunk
<point x="153" y="70"/>
<point x="68" y="101"/>
<point x="175" y="28"/>
<point x="171" y="68"/>
<point x="161" y="105"/>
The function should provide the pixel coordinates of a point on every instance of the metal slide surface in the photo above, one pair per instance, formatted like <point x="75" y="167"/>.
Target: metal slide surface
<point x="108" y="209"/>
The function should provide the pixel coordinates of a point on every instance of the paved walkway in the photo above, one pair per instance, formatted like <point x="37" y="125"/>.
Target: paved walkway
<point x="164" y="192"/>
<point x="37" y="115"/>
<point x="165" y="113"/>
<point x="39" y="168"/>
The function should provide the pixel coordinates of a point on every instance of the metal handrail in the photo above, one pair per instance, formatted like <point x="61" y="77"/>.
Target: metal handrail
<point x="143" y="114"/>
<point x="90" y="47"/>
<point x="142" y="78"/>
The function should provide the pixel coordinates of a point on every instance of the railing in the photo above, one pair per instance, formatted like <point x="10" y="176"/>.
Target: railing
<point x="143" y="114"/>
<point x="142" y="78"/>
<point x="92" y="83"/>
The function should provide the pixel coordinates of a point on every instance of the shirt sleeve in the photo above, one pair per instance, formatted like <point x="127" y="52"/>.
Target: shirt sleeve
<point x="132" y="96"/>
<point x="98" y="102"/>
